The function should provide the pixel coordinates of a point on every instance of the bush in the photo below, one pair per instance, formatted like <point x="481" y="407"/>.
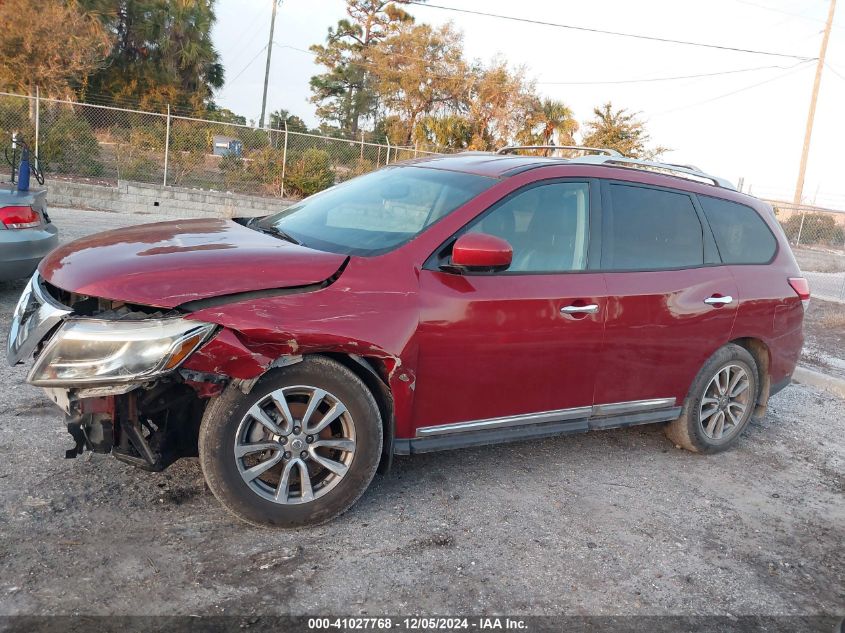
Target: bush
<point x="311" y="173"/>
<point x="252" y="138"/>
<point x="14" y="117"/>
<point x="139" y="169"/>
<point x="70" y="147"/>
<point x="265" y="169"/>
<point x="234" y="174"/>
<point x="359" y="167"/>
<point x="183" y="165"/>
<point x="362" y="166"/>
<point x="149" y="136"/>
<point x="818" y="228"/>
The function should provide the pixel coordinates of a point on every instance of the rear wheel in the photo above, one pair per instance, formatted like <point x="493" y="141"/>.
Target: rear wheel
<point x="299" y="449"/>
<point x="720" y="402"/>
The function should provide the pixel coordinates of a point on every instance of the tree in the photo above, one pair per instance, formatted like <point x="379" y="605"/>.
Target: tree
<point x="498" y="104"/>
<point x="620" y="130"/>
<point x="224" y="115"/>
<point x="549" y="122"/>
<point x="344" y="95"/>
<point x="420" y="72"/>
<point x="453" y="131"/>
<point x="52" y="45"/>
<point x="279" y="118"/>
<point x="162" y="53"/>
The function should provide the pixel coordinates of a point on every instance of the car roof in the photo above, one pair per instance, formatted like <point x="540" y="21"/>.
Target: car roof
<point x="483" y="163"/>
<point x="502" y="165"/>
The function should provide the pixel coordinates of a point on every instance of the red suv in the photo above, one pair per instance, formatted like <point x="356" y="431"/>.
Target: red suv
<point x="446" y="302"/>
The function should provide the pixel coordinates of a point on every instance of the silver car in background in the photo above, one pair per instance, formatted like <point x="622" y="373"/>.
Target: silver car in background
<point x="26" y="233"/>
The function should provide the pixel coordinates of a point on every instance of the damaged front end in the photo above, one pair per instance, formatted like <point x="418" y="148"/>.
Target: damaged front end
<point x="148" y="427"/>
<point x="114" y="369"/>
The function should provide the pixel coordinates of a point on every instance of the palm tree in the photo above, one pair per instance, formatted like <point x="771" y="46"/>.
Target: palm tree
<point x="557" y="118"/>
<point x="162" y="52"/>
<point x="549" y="122"/>
<point x="187" y="52"/>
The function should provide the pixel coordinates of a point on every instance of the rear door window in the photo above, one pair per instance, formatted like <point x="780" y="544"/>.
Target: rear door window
<point x="741" y="234"/>
<point x="650" y="229"/>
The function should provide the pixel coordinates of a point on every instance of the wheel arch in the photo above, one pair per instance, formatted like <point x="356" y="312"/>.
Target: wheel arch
<point x="374" y="375"/>
<point x="235" y="357"/>
<point x="762" y="357"/>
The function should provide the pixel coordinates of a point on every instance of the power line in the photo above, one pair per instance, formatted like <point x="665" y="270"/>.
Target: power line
<point x="248" y="64"/>
<point x="249" y="29"/>
<point x="790" y="71"/>
<point x="834" y="71"/>
<point x="664" y="40"/>
<point x="782" y="12"/>
<point x="371" y="65"/>
<point x="564" y="83"/>
<point x="651" y="79"/>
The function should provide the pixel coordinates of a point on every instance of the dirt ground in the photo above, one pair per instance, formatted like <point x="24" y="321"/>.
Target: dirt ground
<point x="614" y="522"/>
<point x="824" y="337"/>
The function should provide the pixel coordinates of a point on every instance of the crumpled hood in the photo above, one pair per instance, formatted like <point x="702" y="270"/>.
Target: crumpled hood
<point x="170" y="263"/>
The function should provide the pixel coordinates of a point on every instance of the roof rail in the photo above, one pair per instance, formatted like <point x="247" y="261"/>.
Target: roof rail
<point x="612" y="158"/>
<point x="681" y="171"/>
<point x="510" y="149"/>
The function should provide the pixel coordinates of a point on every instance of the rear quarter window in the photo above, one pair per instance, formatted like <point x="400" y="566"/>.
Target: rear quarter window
<point x="741" y="234"/>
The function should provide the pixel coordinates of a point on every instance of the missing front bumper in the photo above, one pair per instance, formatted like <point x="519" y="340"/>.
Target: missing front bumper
<point x="149" y="428"/>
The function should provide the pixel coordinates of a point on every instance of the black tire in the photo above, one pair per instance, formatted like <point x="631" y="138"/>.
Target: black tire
<point x="688" y="431"/>
<point x="219" y="430"/>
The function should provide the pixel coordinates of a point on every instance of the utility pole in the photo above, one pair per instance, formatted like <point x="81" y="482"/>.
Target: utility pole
<point x="267" y="68"/>
<point x="808" y="133"/>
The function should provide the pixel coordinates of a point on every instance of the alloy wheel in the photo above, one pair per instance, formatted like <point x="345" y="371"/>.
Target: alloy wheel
<point x="295" y="444"/>
<point x="725" y="403"/>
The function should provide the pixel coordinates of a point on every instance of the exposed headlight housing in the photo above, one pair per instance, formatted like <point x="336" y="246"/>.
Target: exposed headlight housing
<point x="96" y="352"/>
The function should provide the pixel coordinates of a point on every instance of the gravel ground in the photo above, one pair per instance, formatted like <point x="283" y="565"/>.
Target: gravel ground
<point x="614" y="522"/>
<point x="824" y="337"/>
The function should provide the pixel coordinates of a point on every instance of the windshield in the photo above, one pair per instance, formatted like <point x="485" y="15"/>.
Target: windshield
<point x="376" y="212"/>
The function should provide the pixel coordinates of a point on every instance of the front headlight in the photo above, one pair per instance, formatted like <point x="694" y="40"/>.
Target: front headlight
<point x="95" y="352"/>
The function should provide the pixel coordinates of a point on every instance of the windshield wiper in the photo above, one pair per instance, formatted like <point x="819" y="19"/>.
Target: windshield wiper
<point x="277" y="232"/>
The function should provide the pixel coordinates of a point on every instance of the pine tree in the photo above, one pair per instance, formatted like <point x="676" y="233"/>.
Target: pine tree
<point x="345" y="95"/>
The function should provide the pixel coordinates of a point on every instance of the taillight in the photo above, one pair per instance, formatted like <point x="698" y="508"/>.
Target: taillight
<point x="19" y="217"/>
<point x="802" y="289"/>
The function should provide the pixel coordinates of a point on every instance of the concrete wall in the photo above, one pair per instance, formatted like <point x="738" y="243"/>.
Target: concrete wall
<point x="138" y="198"/>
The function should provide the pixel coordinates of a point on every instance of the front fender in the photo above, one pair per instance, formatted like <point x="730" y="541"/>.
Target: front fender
<point x="231" y="354"/>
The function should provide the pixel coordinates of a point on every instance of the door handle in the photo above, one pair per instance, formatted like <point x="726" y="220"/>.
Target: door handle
<point x="587" y="309"/>
<point x="719" y="301"/>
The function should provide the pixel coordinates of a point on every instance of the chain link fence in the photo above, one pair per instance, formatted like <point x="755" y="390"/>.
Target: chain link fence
<point x="103" y="144"/>
<point x="817" y="237"/>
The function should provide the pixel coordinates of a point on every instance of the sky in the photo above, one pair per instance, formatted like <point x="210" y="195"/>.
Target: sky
<point x="747" y="124"/>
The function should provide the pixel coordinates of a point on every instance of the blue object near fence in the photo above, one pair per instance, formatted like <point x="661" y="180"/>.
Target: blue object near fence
<point x="227" y="146"/>
<point x="23" y="171"/>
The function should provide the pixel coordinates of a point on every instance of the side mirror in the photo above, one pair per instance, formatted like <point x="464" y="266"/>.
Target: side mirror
<point x="481" y="252"/>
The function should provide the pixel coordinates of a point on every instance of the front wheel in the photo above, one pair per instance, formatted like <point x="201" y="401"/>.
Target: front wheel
<point x="299" y="449"/>
<point x="720" y="402"/>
